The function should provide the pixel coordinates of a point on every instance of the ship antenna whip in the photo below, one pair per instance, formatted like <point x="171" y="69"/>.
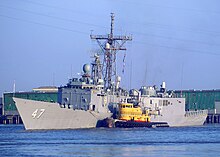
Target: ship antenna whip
<point x="14" y="88"/>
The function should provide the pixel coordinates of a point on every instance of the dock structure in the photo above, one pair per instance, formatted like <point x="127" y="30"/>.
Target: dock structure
<point x="10" y="119"/>
<point x="214" y="115"/>
<point x="213" y="118"/>
<point x="1" y="107"/>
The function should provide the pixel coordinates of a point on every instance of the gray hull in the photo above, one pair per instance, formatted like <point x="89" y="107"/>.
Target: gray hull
<point x="38" y="115"/>
<point x="172" y="111"/>
<point x="194" y="119"/>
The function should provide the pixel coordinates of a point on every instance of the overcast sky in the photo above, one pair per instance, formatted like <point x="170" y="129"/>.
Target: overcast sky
<point x="173" y="41"/>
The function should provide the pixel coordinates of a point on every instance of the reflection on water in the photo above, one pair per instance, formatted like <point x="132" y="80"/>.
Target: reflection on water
<point x="182" y="141"/>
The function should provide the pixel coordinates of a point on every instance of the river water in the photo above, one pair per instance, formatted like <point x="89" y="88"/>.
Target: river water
<point x="157" y="142"/>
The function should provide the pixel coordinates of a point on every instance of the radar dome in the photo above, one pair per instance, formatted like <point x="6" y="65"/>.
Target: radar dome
<point x="86" y="68"/>
<point x="107" y="46"/>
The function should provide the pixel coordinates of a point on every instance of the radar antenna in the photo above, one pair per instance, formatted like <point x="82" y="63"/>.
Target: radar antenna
<point x="110" y="45"/>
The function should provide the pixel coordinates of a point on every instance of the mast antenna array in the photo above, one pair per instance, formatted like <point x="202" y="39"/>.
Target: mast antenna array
<point x="110" y="44"/>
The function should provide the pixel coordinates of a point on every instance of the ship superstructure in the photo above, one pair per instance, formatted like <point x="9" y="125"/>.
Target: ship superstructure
<point x="166" y="107"/>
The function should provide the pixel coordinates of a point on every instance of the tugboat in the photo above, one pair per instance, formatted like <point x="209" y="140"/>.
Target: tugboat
<point x="130" y="116"/>
<point x="128" y="112"/>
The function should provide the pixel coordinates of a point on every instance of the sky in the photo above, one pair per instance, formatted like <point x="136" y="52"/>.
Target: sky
<point x="46" y="42"/>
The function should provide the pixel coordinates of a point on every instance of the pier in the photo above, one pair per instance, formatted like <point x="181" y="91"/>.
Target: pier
<point x="213" y="118"/>
<point x="10" y="119"/>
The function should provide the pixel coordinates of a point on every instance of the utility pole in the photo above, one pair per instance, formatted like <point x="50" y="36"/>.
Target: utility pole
<point x="110" y="45"/>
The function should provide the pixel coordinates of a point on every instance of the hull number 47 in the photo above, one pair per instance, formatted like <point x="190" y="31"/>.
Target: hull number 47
<point x="37" y="113"/>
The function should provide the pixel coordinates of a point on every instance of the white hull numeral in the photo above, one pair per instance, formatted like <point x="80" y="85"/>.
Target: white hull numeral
<point x="37" y="113"/>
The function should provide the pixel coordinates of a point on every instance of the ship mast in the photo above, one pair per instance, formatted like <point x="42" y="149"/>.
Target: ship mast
<point x="110" y="45"/>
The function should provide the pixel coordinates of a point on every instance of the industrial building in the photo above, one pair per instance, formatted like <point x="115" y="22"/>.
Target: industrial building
<point x="201" y="99"/>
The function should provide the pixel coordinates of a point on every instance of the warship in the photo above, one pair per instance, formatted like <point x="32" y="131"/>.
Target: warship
<point x="86" y="101"/>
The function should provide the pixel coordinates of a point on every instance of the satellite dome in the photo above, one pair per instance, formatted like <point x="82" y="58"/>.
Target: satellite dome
<point x="86" y="68"/>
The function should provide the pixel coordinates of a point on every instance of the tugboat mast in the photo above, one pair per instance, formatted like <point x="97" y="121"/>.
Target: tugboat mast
<point x="110" y="45"/>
